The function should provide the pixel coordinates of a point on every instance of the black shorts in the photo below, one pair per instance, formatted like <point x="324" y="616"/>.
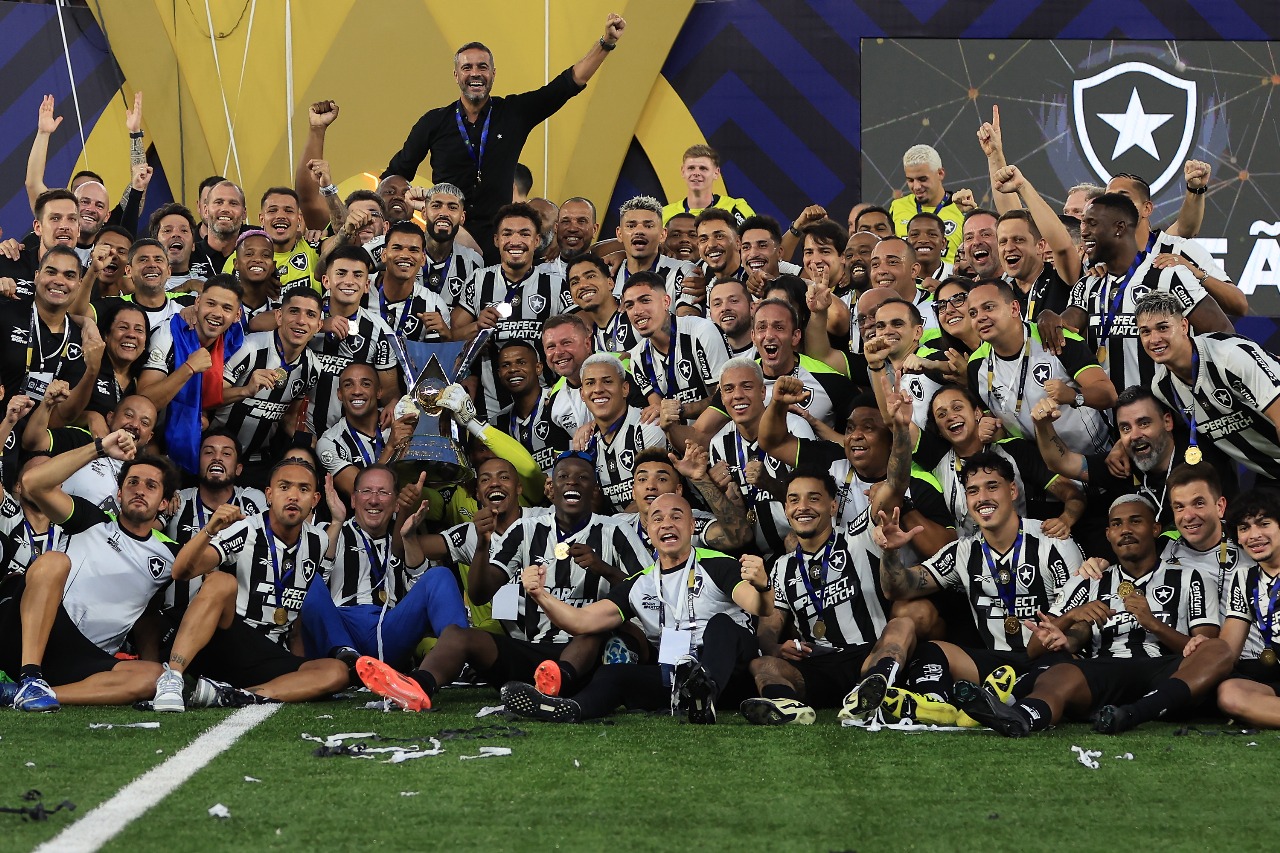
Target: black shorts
<point x="1256" y="670"/>
<point x="517" y="659"/>
<point x="244" y="657"/>
<point x="1119" y="681"/>
<point x="69" y="656"/>
<point x="988" y="661"/>
<point x="828" y="678"/>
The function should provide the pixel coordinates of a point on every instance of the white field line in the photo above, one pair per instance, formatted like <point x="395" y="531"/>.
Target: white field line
<point x="106" y="821"/>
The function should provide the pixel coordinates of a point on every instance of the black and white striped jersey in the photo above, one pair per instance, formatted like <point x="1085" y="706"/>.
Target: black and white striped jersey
<point x="1126" y="362"/>
<point x="1011" y="387"/>
<point x="671" y="270"/>
<point x="1250" y="593"/>
<point x="365" y="571"/>
<point x="538" y="431"/>
<point x="737" y="451"/>
<point x="615" y="449"/>
<point x="1043" y="566"/>
<point x="343" y="445"/>
<point x="254" y="420"/>
<point x="699" y="354"/>
<point x="568" y="409"/>
<point x="19" y="542"/>
<point x="616" y="336"/>
<point x="839" y="585"/>
<point x="114" y="574"/>
<point x="1218" y="564"/>
<point x="461" y="539"/>
<point x="266" y="586"/>
<point x="445" y="278"/>
<point x="684" y="598"/>
<point x="1179" y="596"/>
<point x="368" y="342"/>
<point x="189" y="516"/>
<point x="1235" y="381"/>
<point x="532" y="299"/>
<point x="401" y="317"/>
<point x="532" y="539"/>
<point x="1191" y="250"/>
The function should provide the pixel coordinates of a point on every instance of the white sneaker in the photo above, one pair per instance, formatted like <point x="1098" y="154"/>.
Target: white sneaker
<point x="169" y="692"/>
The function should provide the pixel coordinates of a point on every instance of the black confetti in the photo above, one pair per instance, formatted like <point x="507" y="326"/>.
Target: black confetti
<point x="37" y="812"/>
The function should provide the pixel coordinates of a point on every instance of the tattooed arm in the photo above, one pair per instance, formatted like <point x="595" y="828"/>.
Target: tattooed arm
<point x="897" y="580"/>
<point x="1058" y="458"/>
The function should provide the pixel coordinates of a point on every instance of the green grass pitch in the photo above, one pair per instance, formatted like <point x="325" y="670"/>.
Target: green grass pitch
<point x="647" y="783"/>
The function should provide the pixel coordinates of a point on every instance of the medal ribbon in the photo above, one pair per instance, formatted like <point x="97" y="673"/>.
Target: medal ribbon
<point x="398" y="326"/>
<point x="946" y="200"/>
<point x="444" y="274"/>
<point x="524" y="431"/>
<point x="357" y="440"/>
<point x="477" y="155"/>
<point x="1108" y="321"/>
<point x="284" y="362"/>
<point x="377" y="566"/>
<point x="646" y="358"/>
<point x="276" y="580"/>
<point x="1007" y="593"/>
<point x="31" y="538"/>
<point x="1189" y="410"/>
<point x="813" y="592"/>
<point x="1265" y="625"/>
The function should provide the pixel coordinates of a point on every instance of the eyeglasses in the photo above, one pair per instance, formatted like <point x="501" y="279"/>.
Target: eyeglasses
<point x="955" y="302"/>
<point x="382" y="493"/>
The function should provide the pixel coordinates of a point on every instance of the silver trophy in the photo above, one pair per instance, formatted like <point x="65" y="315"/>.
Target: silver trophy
<point x="472" y="353"/>
<point x="436" y="446"/>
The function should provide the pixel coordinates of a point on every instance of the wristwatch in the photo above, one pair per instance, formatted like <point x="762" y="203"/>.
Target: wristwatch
<point x="1079" y="400"/>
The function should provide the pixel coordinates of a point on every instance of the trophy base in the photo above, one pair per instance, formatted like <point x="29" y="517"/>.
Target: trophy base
<point x="440" y="457"/>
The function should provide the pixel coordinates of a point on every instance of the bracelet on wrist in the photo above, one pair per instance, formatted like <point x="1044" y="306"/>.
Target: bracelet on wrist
<point x="1198" y="190"/>
<point x="97" y="446"/>
<point x="328" y="190"/>
<point x="606" y="45"/>
<point x="793" y="230"/>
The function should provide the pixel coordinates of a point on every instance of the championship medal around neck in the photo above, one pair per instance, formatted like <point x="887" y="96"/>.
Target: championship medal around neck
<point x="1126" y="589"/>
<point x="1012" y="625"/>
<point x="1268" y="657"/>
<point x="281" y="616"/>
<point x="819" y="629"/>
<point x="1194" y="455"/>
<point x="562" y="550"/>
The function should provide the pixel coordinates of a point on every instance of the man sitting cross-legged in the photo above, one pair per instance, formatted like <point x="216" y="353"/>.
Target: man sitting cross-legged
<point x="63" y="621"/>
<point x="695" y="606"/>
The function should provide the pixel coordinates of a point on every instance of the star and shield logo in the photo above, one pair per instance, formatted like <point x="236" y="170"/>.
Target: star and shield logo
<point x="1135" y="117"/>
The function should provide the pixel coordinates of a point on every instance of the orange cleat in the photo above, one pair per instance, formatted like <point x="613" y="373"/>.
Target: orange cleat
<point x="386" y="682"/>
<point x="547" y="678"/>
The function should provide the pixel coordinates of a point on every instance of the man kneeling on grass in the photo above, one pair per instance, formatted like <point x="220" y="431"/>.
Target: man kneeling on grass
<point x="1152" y="625"/>
<point x="238" y="631"/>
<point x="693" y="605"/>
<point x="75" y="609"/>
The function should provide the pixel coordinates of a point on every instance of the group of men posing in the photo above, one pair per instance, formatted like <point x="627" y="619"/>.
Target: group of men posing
<point x="959" y="466"/>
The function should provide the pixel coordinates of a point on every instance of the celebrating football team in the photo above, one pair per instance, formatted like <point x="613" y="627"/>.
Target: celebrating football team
<point x="950" y="466"/>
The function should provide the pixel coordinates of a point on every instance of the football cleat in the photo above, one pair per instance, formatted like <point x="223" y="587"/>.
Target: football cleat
<point x="776" y="712"/>
<point x="382" y="679"/>
<point x="695" y="691"/>
<point x="616" y="651"/>
<point x="902" y="704"/>
<point x="987" y="710"/>
<point x="547" y="678"/>
<point x="207" y="693"/>
<point x="864" y="698"/>
<point x="1000" y="682"/>
<point x="1113" y="720"/>
<point x="35" y="694"/>
<point x="525" y="700"/>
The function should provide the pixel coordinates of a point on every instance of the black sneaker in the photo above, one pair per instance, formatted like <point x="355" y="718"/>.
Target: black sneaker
<point x="695" y="692"/>
<point x="524" y="700"/>
<point x="207" y="693"/>
<point x="990" y="711"/>
<point x="1113" y="720"/>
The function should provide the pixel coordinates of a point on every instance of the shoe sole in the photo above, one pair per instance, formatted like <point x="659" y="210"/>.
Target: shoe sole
<point x="762" y="712"/>
<point x="389" y="684"/>
<point x="31" y="710"/>
<point x="996" y="681"/>
<point x="524" y="700"/>
<point x="163" y="705"/>
<point x="870" y="696"/>
<point x="1108" y="721"/>
<point x="989" y="711"/>
<point x="547" y="678"/>
<point x="697" y="691"/>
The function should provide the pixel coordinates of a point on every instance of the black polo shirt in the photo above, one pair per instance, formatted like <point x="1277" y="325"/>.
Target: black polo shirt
<point x="511" y="119"/>
<point x="51" y="356"/>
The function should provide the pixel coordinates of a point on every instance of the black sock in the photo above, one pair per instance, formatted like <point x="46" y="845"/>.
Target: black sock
<point x="568" y="675"/>
<point x="886" y="666"/>
<point x="930" y="673"/>
<point x="1037" y="713"/>
<point x="30" y="670"/>
<point x="425" y="680"/>
<point x="780" y="691"/>
<point x="1168" y="695"/>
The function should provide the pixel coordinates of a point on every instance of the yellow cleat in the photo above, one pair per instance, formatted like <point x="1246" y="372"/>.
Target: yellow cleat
<point x="1000" y="682"/>
<point x="902" y="704"/>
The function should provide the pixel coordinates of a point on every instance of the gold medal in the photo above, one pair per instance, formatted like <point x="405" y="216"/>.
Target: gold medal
<point x="1004" y="576"/>
<point x="1126" y="589"/>
<point x="1193" y="455"/>
<point x="751" y="515"/>
<point x="1268" y="657"/>
<point x="380" y="596"/>
<point x="282" y="616"/>
<point x="281" y="376"/>
<point x="1102" y="354"/>
<point x="1012" y="625"/>
<point x="562" y="550"/>
<point x="820" y="631"/>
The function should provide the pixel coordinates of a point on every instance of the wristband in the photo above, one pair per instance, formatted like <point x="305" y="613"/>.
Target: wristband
<point x="137" y="135"/>
<point x="1198" y="190"/>
<point x="476" y="427"/>
<point x="328" y="190"/>
<point x="97" y="445"/>
<point x="604" y="44"/>
<point x="793" y="231"/>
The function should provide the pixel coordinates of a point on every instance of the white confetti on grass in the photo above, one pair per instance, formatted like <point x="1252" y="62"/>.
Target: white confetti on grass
<point x="1087" y="757"/>
<point x="491" y="709"/>
<point x="488" y="752"/>
<point x="397" y="754"/>
<point x="149" y="725"/>
<point x="219" y="811"/>
<point x="251" y="779"/>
